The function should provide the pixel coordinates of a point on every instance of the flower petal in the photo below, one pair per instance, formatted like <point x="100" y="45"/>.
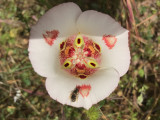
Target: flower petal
<point x="118" y="57"/>
<point x="102" y="83"/>
<point x="43" y="57"/>
<point x="60" y="88"/>
<point x="98" y="24"/>
<point x="62" y="18"/>
<point x="115" y="49"/>
<point x="53" y="27"/>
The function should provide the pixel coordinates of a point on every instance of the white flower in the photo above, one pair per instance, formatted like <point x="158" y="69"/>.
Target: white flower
<point x="18" y="95"/>
<point x="82" y="54"/>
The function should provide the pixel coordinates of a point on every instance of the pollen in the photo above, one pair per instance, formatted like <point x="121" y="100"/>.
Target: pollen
<point x="80" y="56"/>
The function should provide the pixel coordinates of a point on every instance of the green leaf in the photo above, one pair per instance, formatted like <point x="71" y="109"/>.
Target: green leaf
<point x="93" y="113"/>
<point x="140" y="99"/>
<point x="141" y="73"/>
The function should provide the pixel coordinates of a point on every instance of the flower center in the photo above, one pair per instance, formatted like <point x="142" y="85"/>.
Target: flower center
<point x="80" y="56"/>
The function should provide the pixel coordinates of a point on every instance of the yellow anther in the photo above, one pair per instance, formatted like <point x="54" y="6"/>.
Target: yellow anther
<point x="79" y="42"/>
<point x="92" y="64"/>
<point x="67" y="64"/>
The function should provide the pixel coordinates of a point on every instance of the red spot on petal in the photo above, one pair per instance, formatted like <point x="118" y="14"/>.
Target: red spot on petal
<point x="51" y="36"/>
<point x="84" y="90"/>
<point x="110" y="40"/>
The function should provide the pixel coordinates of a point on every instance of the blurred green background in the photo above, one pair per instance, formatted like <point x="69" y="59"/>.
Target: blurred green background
<point x="22" y="92"/>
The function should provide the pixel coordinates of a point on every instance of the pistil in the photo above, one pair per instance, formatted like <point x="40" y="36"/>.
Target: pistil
<point x="80" y="56"/>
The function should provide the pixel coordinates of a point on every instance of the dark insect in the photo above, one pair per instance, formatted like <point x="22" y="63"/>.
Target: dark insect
<point x="74" y="94"/>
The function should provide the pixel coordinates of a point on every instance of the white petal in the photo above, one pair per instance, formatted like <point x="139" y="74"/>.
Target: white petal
<point x="103" y="82"/>
<point x="97" y="24"/>
<point x="43" y="56"/>
<point x="62" y="18"/>
<point x="118" y="57"/>
<point x="61" y="86"/>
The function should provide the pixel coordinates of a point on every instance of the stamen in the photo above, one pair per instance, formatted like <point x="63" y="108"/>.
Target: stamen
<point x="82" y="76"/>
<point x="67" y="64"/>
<point x="97" y="47"/>
<point x="62" y="46"/>
<point x="79" y="42"/>
<point x="80" y="56"/>
<point x="92" y="64"/>
<point x="92" y="49"/>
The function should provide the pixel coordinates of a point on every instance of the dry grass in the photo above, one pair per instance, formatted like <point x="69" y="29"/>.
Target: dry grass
<point x="137" y="96"/>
